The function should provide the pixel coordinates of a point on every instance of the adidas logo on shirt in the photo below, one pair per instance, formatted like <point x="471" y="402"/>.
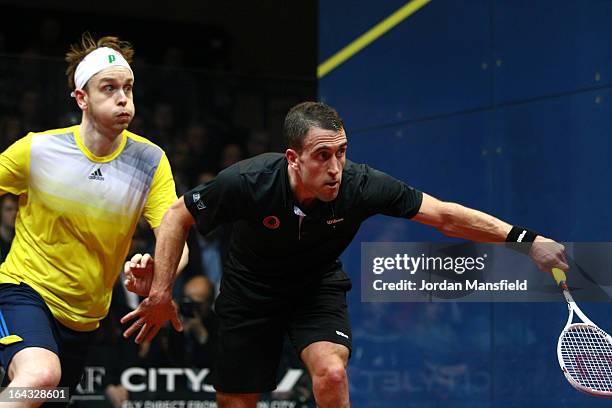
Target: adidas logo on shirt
<point x="96" y="175"/>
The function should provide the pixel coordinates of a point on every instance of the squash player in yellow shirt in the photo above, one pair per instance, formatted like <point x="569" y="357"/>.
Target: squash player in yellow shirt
<point x="81" y="192"/>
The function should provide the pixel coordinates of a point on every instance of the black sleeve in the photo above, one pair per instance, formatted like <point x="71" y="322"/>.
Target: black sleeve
<point x="218" y="201"/>
<point x="383" y="194"/>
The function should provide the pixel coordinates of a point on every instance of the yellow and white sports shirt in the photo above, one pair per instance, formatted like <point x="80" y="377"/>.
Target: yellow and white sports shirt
<point x="77" y="215"/>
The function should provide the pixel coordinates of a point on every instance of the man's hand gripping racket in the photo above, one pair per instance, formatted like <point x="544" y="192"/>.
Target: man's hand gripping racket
<point x="584" y="350"/>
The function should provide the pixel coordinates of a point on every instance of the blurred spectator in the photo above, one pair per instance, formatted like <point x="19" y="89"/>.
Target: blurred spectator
<point x="8" y="214"/>
<point x="203" y="151"/>
<point x="231" y="153"/>
<point x="258" y="142"/>
<point x="214" y="246"/>
<point x="69" y="118"/>
<point x="180" y="160"/>
<point x="163" y="130"/>
<point x="29" y="109"/>
<point x="182" y="93"/>
<point x="166" y="350"/>
<point x="205" y="177"/>
<point x="199" y="321"/>
<point x="195" y="266"/>
<point x="143" y="240"/>
<point x="197" y="137"/>
<point x="29" y="73"/>
<point x="11" y="129"/>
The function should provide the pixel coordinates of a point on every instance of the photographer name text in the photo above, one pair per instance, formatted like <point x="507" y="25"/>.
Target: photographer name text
<point x="446" y="285"/>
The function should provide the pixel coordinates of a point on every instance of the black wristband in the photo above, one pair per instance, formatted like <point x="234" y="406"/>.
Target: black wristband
<point x="520" y="234"/>
<point x="520" y="239"/>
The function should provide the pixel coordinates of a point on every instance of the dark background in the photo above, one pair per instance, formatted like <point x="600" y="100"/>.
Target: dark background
<point x="273" y="38"/>
<point x="500" y="105"/>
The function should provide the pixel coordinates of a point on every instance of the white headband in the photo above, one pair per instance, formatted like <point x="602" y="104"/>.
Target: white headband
<point x="96" y="61"/>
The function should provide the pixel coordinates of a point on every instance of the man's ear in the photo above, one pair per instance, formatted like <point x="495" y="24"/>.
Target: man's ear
<point x="81" y="98"/>
<point x="292" y="158"/>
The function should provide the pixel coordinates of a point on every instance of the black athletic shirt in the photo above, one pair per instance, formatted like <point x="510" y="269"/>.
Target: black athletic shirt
<point x="277" y="248"/>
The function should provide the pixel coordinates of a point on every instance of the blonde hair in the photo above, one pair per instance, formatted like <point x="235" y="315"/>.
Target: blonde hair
<point x="88" y="44"/>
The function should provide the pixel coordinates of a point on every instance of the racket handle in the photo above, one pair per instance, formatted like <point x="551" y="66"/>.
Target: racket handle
<point x="560" y="277"/>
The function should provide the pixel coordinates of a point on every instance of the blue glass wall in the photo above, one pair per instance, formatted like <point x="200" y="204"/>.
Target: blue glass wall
<point x="504" y="106"/>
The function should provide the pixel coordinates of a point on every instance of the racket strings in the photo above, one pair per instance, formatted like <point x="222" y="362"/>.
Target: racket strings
<point x="587" y="357"/>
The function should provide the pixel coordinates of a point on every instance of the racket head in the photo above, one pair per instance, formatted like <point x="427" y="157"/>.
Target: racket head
<point x="585" y="356"/>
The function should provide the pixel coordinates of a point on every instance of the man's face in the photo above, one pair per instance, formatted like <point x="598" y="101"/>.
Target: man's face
<point x="109" y="99"/>
<point x="321" y="162"/>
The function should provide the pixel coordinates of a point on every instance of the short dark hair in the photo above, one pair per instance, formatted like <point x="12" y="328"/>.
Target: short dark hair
<point x="305" y="115"/>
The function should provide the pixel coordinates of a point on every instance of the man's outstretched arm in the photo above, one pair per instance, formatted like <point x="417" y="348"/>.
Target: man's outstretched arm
<point x="158" y="307"/>
<point x="455" y="220"/>
<point x="170" y="242"/>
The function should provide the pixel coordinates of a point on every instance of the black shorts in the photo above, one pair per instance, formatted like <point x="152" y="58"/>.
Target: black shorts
<point x="23" y="313"/>
<point x="250" y="341"/>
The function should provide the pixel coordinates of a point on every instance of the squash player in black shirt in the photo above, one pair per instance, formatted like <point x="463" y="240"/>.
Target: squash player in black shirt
<point x="293" y="215"/>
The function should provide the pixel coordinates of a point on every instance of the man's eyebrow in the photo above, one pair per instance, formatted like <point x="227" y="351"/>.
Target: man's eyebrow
<point x="111" y="79"/>
<point x="326" y="146"/>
